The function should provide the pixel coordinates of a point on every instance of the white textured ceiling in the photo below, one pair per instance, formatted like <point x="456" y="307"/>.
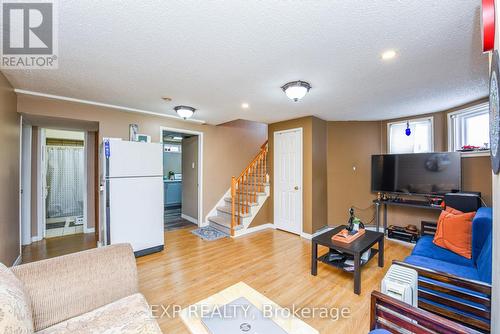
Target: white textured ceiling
<point x="214" y="55"/>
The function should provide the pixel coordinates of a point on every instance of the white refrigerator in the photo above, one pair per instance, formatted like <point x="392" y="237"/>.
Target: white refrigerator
<point x="133" y="195"/>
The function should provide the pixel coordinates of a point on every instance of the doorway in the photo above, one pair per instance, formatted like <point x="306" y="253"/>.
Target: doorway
<point x="58" y="171"/>
<point x="288" y="180"/>
<point x="64" y="180"/>
<point x="181" y="178"/>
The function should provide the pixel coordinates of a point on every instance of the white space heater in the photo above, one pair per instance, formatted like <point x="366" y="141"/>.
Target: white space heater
<point x="401" y="283"/>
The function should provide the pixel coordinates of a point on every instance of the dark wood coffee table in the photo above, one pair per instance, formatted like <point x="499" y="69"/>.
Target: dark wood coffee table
<point x="355" y="249"/>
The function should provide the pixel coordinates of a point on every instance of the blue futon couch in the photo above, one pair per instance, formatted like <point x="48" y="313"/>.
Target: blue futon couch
<point x="456" y="289"/>
<point x="453" y="286"/>
<point x="426" y="254"/>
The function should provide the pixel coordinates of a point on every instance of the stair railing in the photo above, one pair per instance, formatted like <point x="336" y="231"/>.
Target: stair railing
<point x="245" y="187"/>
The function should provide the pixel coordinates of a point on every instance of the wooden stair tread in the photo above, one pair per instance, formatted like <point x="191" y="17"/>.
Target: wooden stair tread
<point x="224" y="222"/>
<point x="227" y="210"/>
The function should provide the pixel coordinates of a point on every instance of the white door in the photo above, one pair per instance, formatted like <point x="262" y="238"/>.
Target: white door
<point x="288" y="180"/>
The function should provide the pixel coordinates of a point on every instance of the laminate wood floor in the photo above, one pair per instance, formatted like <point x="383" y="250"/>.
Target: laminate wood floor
<point x="57" y="246"/>
<point x="275" y="263"/>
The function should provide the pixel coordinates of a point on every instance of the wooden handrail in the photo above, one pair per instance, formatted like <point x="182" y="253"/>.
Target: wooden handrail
<point x="263" y="148"/>
<point x="245" y="187"/>
<point x="265" y="144"/>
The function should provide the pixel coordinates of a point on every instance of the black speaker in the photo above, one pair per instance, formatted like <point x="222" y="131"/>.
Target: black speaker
<point x="465" y="202"/>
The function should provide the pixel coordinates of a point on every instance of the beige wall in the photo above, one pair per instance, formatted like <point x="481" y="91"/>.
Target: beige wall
<point x="350" y="147"/>
<point x="351" y="144"/>
<point x="319" y="182"/>
<point x="190" y="177"/>
<point x="227" y="148"/>
<point x="476" y="176"/>
<point x="9" y="174"/>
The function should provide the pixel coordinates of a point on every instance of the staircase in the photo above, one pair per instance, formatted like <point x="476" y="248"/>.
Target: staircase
<point x="249" y="191"/>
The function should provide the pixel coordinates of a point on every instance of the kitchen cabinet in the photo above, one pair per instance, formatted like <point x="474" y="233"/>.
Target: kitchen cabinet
<point x="172" y="192"/>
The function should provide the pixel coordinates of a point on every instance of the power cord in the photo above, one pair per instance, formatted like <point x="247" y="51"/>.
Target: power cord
<point x="366" y="209"/>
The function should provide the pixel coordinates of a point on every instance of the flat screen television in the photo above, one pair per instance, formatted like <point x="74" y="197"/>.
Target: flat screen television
<point x="417" y="173"/>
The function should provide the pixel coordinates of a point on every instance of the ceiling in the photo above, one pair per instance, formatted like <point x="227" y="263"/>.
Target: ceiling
<point x="215" y="55"/>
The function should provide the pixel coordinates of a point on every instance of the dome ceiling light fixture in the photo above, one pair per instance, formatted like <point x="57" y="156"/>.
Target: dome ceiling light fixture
<point x="296" y="90"/>
<point x="185" y="111"/>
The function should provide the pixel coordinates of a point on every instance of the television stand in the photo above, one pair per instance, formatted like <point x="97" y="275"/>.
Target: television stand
<point x="399" y="202"/>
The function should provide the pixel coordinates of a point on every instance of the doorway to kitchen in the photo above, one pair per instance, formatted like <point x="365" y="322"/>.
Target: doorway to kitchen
<point x="181" y="178"/>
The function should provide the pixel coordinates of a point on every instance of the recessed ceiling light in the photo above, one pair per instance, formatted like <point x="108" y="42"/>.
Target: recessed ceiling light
<point x="245" y="105"/>
<point x="389" y="54"/>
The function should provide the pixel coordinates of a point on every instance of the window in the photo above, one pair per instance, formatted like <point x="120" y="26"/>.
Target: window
<point x="469" y="127"/>
<point x="420" y="140"/>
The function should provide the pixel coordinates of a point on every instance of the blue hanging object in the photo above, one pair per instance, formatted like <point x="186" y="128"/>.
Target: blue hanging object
<point x="408" y="131"/>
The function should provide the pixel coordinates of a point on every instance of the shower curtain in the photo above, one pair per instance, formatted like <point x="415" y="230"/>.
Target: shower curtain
<point x="65" y="177"/>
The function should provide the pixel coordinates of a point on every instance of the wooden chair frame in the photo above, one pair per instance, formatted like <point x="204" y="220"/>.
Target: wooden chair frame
<point x="392" y="315"/>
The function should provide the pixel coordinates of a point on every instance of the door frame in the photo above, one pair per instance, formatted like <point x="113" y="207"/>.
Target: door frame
<point x="19" y="257"/>
<point x="41" y="182"/>
<point x="200" y="165"/>
<point x="25" y="183"/>
<point x="301" y="183"/>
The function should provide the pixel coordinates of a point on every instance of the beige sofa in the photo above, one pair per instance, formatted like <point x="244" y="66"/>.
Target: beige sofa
<point x="94" y="291"/>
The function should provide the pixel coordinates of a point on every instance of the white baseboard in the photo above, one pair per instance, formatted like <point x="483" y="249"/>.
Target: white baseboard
<point x="374" y="228"/>
<point x="89" y="230"/>
<point x="18" y="260"/>
<point x="35" y="239"/>
<point x="255" y="229"/>
<point x="309" y="236"/>
<point x="189" y="219"/>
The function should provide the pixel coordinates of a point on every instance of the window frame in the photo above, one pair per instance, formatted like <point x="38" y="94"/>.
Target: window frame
<point x="477" y="109"/>
<point x="411" y="120"/>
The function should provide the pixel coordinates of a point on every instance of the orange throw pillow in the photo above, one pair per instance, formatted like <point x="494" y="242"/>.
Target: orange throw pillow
<point x="449" y="209"/>
<point x="454" y="232"/>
